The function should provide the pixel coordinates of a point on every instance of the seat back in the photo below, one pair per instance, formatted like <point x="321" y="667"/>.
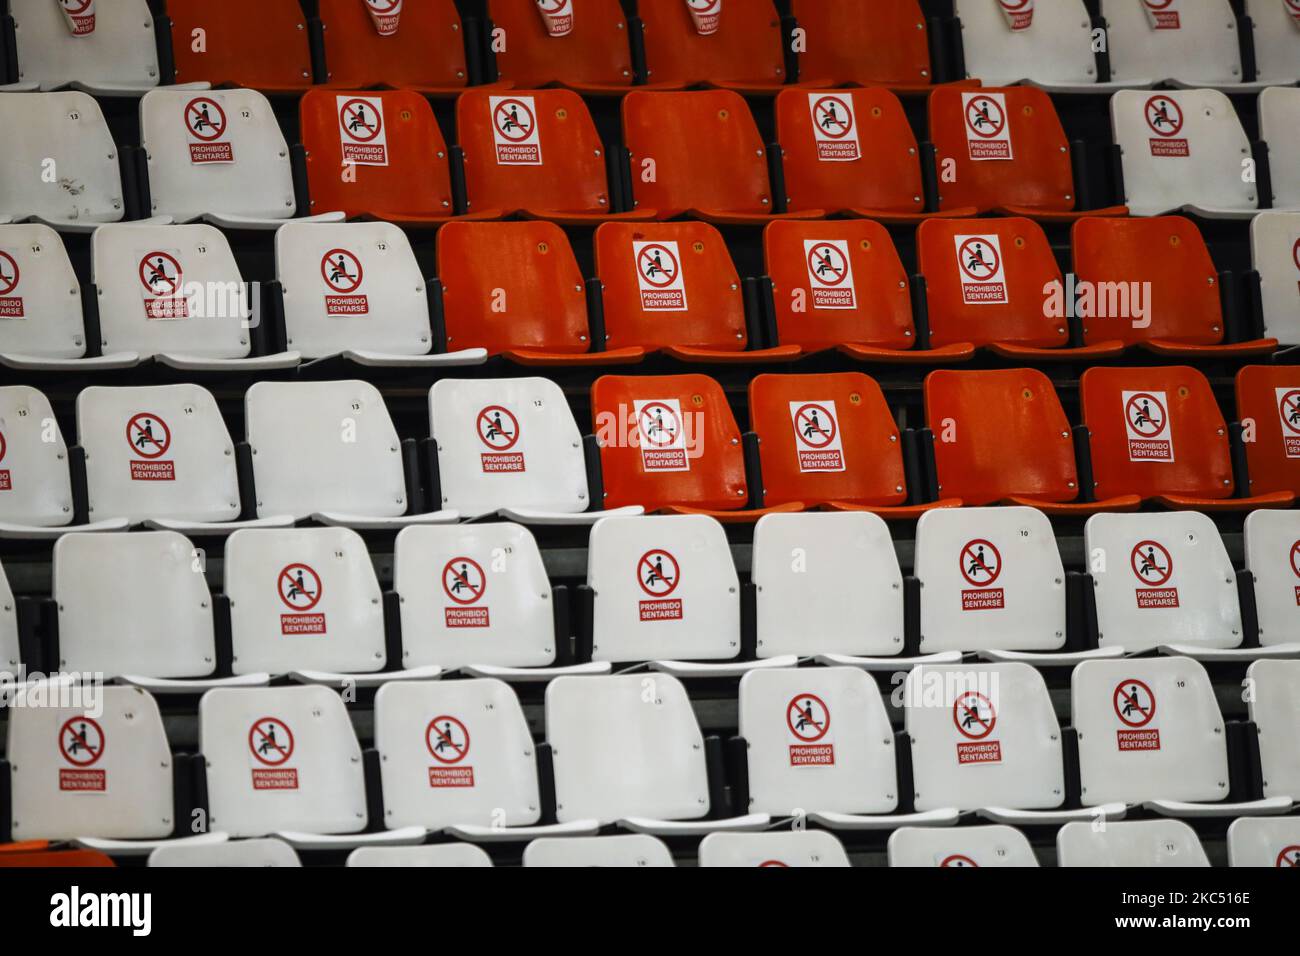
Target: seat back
<point x="394" y="154"/>
<point x="1275" y="254"/>
<point x="960" y="847"/>
<point x="1149" y="729"/>
<point x="65" y="166"/>
<point x="54" y="49"/>
<point x="507" y="443"/>
<point x="35" y="488"/>
<point x="303" y="599"/>
<point x="796" y="848"/>
<point x="40" y="297"/>
<point x="987" y="281"/>
<point x="1193" y="42"/>
<point x="234" y="853"/>
<point x="350" y="286"/>
<point x="1016" y="412"/>
<point x="1180" y="147"/>
<point x="1050" y="43"/>
<point x="665" y="588"/>
<point x="1155" y="431"/>
<point x="281" y="758"/>
<point x="887" y="45"/>
<point x="1268" y="400"/>
<point x="157" y="451"/>
<point x="426" y="47"/>
<point x="1129" y="843"/>
<point x="473" y="594"/>
<point x="699" y="41"/>
<point x="1277" y="44"/>
<point x="991" y="579"/>
<point x="838" y="282"/>
<point x="594" y="51"/>
<point x="324" y="446"/>
<point x="1003" y="146"/>
<point x="695" y="150"/>
<point x="274" y="56"/>
<point x="667" y="439"/>
<point x="818" y="738"/>
<point x="10" y="653"/>
<point x="216" y="151"/>
<point x="455" y="752"/>
<point x="633" y="849"/>
<point x="1272" y="709"/>
<point x="1279" y="120"/>
<point x="1272" y="552"/>
<point x="133" y="603"/>
<point x="96" y="764"/>
<point x="432" y="855"/>
<point x="826" y="584"/>
<point x="1264" y="841"/>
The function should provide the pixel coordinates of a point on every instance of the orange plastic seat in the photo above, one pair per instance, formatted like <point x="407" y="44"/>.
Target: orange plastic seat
<point x="744" y="53"/>
<point x="698" y="152"/>
<point x="985" y="282"/>
<point x="1158" y="433"/>
<point x="57" y="859"/>
<point x="830" y="441"/>
<point x="25" y="846"/>
<point x="884" y="43"/>
<point x="670" y="443"/>
<point x="1268" y="402"/>
<point x="672" y="286"/>
<point x="260" y="44"/>
<point x="1167" y="256"/>
<point x="1025" y="167"/>
<point x="864" y="309"/>
<point x="425" y="53"/>
<point x="595" y="56"/>
<point x="1002" y="436"/>
<point x="515" y="289"/>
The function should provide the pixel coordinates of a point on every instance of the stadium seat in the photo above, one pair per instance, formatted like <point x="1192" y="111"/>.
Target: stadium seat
<point x="1277" y="44"/>
<point x="1153" y="284"/>
<point x="795" y="848"/>
<point x="1268" y="403"/>
<point x="160" y="455"/>
<point x="10" y="653"/>
<point x="355" y="290"/>
<point x="1158" y="433"/>
<point x="740" y="47"/>
<point x="816" y="743"/>
<point x="1134" y="843"/>
<point x="589" y="52"/>
<point x="866" y="313"/>
<point x="1264" y="841"/>
<point x="830" y="441"/>
<point x="1279" y="119"/>
<point x="1195" y="44"/>
<point x="232" y="853"/>
<point x="1272" y="561"/>
<point x="1150" y="733"/>
<point x="218" y="156"/>
<point x="510" y="446"/>
<point x="1271" y="708"/>
<point x="848" y="44"/>
<point x="623" y="757"/>
<point x="425" y="50"/>
<point x="1275" y="256"/>
<point x="457" y="756"/>
<point x="65" y="169"/>
<point x="699" y="153"/>
<point x="960" y="847"/>
<point x="1183" y="149"/>
<point x="57" y="858"/>
<point x="215" y="44"/>
<point x="1002" y="436"/>
<point x="515" y="289"/>
<point x="1004" y="150"/>
<point x="672" y="286"/>
<point x="626" y="850"/>
<point x="328" y="450"/>
<point x="987" y="283"/>
<point x="475" y="598"/>
<point x="439" y="855"/>
<point x="285" y="762"/>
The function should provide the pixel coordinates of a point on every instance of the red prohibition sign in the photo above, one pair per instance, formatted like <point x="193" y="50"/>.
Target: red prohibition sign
<point x="1152" y="563"/>
<point x="1157" y="4"/>
<point x="816" y="425"/>
<point x="658" y="569"/>
<point x="664" y="422"/>
<point x="140" y="435"/>
<point x="458" y="582"/>
<point x="1295" y="548"/>
<point x="383" y="6"/>
<point x="355" y="123"/>
<point x="300" y="587"/>
<point x="775" y="863"/>
<point x="341" y="270"/>
<point x="958" y="860"/>
<point x="1290" y="856"/>
<point x="1290" y="410"/>
<point x="1014" y="5"/>
<point x="441" y="741"/>
<point x="656" y="270"/>
<point x="801" y="717"/>
<point x="510" y="124"/>
<point x="154" y="277"/>
<point x="831" y="116"/>
<point x="971" y="261"/>
<point x="968" y="713"/>
<point x="1134" y="703"/>
<point x="1163" y="109"/>
<point x="81" y="741"/>
<point x="75" y="7"/>
<point x="708" y="5"/>
<point x="1294" y="5"/>
<point x="987" y="109"/>
<point x="1295" y="250"/>
<point x="8" y="273"/>
<point x="265" y="743"/>
<point x="4" y="446"/>
<point x="1145" y="420"/>
<point x="202" y="123"/>
<point x="498" y="428"/>
<point x="551" y="6"/>
<point x="826" y="262"/>
<point x="974" y="560"/>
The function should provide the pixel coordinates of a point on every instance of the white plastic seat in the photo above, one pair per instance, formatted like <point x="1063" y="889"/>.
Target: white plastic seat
<point x="1201" y="50"/>
<point x="1277" y="42"/>
<point x="511" y="446"/>
<point x="439" y="855"/>
<point x="1264" y="841"/>
<point x="1150" y="733"/>
<point x="285" y="762"/>
<point x="1279" y="126"/>
<point x="476" y="597"/>
<point x="789" y="849"/>
<point x="457" y="756"/>
<point x="329" y="451"/>
<point x="985" y="737"/>
<point x="960" y="847"/>
<point x="136" y="607"/>
<point x="264" y="852"/>
<point x="161" y="455"/>
<point x="10" y="660"/>
<point x="355" y="290"/>
<point x="624" y="850"/>
<point x="175" y="294"/>
<point x="1132" y="843"/>
<point x="1273" y="239"/>
<point x="628" y="750"/>
<point x="1268" y="542"/>
<point x="64" y="170"/>
<point x="1183" y="149"/>
<point x="1272" y="708"/>
<point x="818" y="741"/>
<point x="234" y="172"/>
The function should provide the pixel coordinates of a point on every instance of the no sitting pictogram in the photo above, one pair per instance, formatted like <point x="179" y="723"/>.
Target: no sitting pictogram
<point x="808" y="717"/>
<point x="498" y="428"/>
<point x="383" y="6"/>
<point x="271" y="741"/>
<point x="551" y="6"/>
<point x="658" y="265"/>
<point x="1146" y="415"/>
<point x="514" y="120"/>
<point x="1014" y="5"/>
<point x="974" y="715"/>
<point x="360" y="120"/>
<point x="979" y="259"/>
<point x="300" y="587"/>
<point x="447" y="739"/>
<point x="816" y="425"/>
<point x="1295" y="558"/>
<point x="341" y="270"/>
<point x="160" y="273"/>
<point x="9" y="273"/>
<point x="958" y="860"/>
<point x="463" y="580"/>
<point x="1164" y="115"/>
<point x="75" y="7"/>
<point x="659" y="424"/>
<point x="81" y="741"/>
<point x="1295" y="250"/>
<point x="984" y="117"/>
<point x="1290" y="856"/>
<point x="827" y="263"/>
<point x="1290" y="410"/>
<point x="834" y="117"/>
<point x="980" y="562"/>
<point x="1152" y="563"/>
<point x="205" y="118"/>
<point x="148" y="435"/>
<point x="703" y="6"/>
<point x="1134" y="703"/>
<point x="657" y="573"/>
